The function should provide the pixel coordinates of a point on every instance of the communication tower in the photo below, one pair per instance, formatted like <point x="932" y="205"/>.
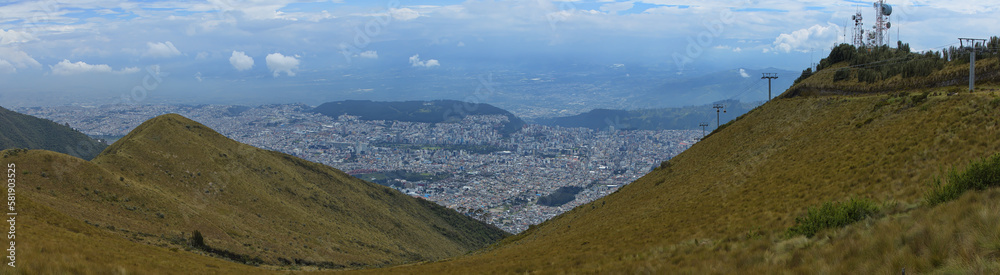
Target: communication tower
<point x="880" y="32"/>
<point x="859" y="30"/>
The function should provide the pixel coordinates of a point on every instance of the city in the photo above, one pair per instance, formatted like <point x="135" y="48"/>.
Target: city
<point x="466" y="166"/>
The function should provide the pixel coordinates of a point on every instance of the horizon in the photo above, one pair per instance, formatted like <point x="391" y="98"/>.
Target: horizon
<point x="228" y="52"/>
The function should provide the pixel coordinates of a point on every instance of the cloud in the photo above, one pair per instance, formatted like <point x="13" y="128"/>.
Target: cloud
<point x="416" y="62"/>
<point x="162" y="49"/>
<point x="6" y="67"/>
<point x="804" y="40"/>
<point x="403" y="14"/>
<point x="242" y="62"/>
<point x="12" y="59"/>
<point x="198" y="76"/>
<point x="201" y="55"/>
<point x="744" y="74"/>
<point x="369" y="54"/>
<point x="12" y="36"/>
<point x="617" y="7"/>
<point x="69" y="68"/>
<point x="280" y="63"/>
<point x="461" y="44"/>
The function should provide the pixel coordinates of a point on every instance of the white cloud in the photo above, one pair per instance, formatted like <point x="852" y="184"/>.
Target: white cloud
<point x="12" y="36"/>
<point x="13" y="59"/>
<point x="198" y="76"/>
<point x="6" y="67"/>
<point x="416" y="62"/>
<point x="617" y="7"/>
<point x="241" y="61"/>
<point x="461" y="44"/>
<point x="403" y="14"/>
<point x="280" y="63"/>
<point x="162" y="49"/>
<point x="804" y="40"/>
<point x="201" y="55"/>
<point x="369" y="54"/>
<point x="68" y="68"/>
<point x="744" y="74"/>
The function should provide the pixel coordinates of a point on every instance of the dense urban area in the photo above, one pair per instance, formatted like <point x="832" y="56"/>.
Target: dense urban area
<point x="511" y="181"/>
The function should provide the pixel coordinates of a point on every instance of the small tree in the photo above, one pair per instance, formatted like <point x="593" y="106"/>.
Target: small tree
<point x="197" y="240"/>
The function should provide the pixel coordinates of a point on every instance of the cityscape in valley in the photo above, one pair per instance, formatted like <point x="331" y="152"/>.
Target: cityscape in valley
<point x="500" y="137"/>
<point x="467" y="166"/>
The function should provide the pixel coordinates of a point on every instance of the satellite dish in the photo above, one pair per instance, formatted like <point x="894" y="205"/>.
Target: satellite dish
<point x="888" y="25"/>
<point x="854" y="17"/>
<point x="886" y="9"/>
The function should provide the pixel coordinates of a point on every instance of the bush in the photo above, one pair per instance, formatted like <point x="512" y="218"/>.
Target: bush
<point x="841" y="74"/>
<point x="831" y="215"/>
<point x="979" y="175"/>
<point x="197" y="240"/>
<point x="917" y="99"/>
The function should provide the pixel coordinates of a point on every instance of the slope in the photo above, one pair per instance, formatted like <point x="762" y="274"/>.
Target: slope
<point x="172" y="176"/>
<point x="725" y="203"/>
<point x="28" y="132"/>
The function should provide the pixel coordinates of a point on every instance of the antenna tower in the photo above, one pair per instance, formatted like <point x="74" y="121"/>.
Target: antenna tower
<point x="881" y="29"/>
<point x="859" y="30"/>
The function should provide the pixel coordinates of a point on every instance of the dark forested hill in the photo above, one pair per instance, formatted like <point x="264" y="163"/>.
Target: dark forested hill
<point x="23" y="131"/>
<point x="437" y="111"/>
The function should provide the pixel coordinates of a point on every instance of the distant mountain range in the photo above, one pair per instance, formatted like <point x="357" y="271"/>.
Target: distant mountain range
<point x="653" y="119"/>
<point x="174" y="182"/>
<point x="23" y="131"/>
<point x="437" y="111"/>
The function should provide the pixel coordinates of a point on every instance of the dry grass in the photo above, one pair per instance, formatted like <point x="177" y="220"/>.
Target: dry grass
<point x="173" y="176"/>
<point x="723" y="205"/>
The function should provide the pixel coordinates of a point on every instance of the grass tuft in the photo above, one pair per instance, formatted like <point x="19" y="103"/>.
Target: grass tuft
<point x="831" y="215"/>
<point x="979" y="175"/>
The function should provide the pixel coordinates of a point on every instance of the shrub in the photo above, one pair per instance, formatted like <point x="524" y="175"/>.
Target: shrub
<point x="841" y="74"/>
<point x="917" y="99"/>
<point x="979" y="175"/>
<point x="831" y="215"/>
<point x="197" y="240"/>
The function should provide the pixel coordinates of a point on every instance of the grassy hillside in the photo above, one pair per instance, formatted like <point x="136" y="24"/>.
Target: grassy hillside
<point x="172" y="176"/>
<point x="28" y="132"/>
<point x="725" y="204"/>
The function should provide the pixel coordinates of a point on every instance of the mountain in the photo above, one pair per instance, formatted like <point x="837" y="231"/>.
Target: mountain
<point x="740" y="84"/>
<point x="726" y="205"/>
<point x="437" y="111"/>
<point x="652" y="119"/>
<point x="172" y="177"/>
<point x="24" y="131"/>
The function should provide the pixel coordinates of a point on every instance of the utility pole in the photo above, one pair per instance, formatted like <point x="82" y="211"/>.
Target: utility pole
<point x="703" y="125"/>
<point x="718" y="117"/>
<point x="972" y="59"/>
<point x="769" y="76"/>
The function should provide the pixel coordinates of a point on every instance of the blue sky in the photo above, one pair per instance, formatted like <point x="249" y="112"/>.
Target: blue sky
<point x="52" y="46"/>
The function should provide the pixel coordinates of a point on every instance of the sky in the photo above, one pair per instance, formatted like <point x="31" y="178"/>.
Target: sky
<point x="55" y="49"/>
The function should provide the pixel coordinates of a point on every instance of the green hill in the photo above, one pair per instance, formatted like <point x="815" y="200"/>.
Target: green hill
<point x="28" y="132"/>
<point x="172" y="177"/>
<point x="437" y="111"/>
<point x="652" y="119"/>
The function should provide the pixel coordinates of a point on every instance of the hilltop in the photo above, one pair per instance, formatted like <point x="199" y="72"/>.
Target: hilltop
<point x="28" y="132"/>
<point x="172" y="177"/>
<point x="437" y="111"/>
<point x="726" y="204"/>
